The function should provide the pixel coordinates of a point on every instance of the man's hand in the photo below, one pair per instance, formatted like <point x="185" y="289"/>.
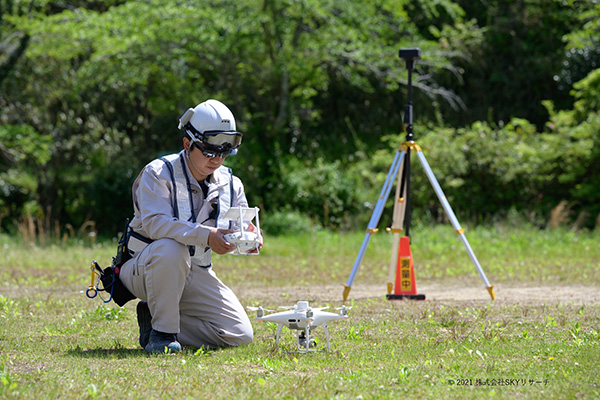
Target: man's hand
<point x="252" y="228"/>
<point x="217" y="242"/>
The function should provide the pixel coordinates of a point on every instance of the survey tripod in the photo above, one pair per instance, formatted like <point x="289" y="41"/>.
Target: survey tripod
<point x="402" y="212"/>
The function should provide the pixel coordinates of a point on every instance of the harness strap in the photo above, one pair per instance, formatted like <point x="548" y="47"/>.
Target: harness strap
<point x="183" y="205"/>
<point x="172" y="173"/>
<point x="140" y="236"/>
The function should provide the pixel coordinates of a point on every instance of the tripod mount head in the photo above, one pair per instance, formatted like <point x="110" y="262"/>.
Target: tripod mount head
<point x="409" y="55"/>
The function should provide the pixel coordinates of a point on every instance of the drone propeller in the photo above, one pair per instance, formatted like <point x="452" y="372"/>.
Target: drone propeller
<point x="258" y="308"/>
<point x="260" y="312"/>
<point x="343" y="309"/>
<point x="320" y="308"/>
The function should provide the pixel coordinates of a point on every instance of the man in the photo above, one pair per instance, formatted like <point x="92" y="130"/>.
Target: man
<point x="179" y="201"/>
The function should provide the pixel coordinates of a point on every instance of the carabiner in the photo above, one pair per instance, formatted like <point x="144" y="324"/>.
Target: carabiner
<point x="91" y="292"/>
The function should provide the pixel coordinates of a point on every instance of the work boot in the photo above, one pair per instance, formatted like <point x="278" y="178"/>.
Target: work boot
<point x="161" y="342"/>
<point x="145" y="322"/>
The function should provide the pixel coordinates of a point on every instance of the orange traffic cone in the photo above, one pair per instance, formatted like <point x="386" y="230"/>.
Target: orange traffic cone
<point x="406" y="284"/>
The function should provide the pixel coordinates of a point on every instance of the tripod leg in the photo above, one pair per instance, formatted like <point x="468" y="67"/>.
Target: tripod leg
<point x="397" y="223"/>
<point x="454" y="220"/>
<point x="393" y="262"/>
<point x="372" y="227"/>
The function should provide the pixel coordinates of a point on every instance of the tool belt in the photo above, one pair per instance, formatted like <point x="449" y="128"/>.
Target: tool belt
<point x="111" y="282"/>
<point x="136" y="242"/>
<point x="110" y="276"/>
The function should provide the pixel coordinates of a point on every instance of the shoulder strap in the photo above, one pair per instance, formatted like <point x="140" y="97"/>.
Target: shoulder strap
<point x="230" y="187"/>
<point x="172" y="173"/>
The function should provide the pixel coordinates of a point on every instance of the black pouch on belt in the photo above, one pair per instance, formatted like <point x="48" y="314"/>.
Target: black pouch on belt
<point x="110" y="277"/>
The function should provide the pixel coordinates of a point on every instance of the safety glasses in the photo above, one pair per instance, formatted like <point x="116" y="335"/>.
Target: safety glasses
<point x="212" y="151"/>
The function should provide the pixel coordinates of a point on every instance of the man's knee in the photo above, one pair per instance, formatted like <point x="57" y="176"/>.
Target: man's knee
<point x="169" y="252"/>
<point x="247" y="336"/>
<point x="244" y="336"/>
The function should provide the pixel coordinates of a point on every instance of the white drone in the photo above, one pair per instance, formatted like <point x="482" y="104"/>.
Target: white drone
<point x="246" y="242"/>
<point x="303" y="319"/>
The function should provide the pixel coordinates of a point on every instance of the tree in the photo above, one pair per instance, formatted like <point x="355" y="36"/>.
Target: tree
<point x="519" y="62"/>
<point x="107" y="80"/>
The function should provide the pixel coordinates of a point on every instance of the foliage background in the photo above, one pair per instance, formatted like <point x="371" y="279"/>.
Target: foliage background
<point x="506" y="105"/>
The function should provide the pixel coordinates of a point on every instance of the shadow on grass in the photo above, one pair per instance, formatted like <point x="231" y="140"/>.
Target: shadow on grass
<point x="119" y="352"/>
<point x="122" y="352"/>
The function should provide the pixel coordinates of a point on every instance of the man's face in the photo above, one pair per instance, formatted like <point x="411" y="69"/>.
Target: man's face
<point x="201" y="166"/>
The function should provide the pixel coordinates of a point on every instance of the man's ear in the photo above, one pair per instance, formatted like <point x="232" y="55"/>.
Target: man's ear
<point x="187" y="144"/>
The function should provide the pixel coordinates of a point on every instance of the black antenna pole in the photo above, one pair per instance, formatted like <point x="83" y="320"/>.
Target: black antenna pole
<point x="408" y="108"/>
<point x="409" y="55"/>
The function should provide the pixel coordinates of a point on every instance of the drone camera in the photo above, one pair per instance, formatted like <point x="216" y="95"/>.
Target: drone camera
<point x="410" y="54"/>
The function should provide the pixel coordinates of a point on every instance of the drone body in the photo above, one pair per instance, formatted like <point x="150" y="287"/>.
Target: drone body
<point x="302" y="318"/>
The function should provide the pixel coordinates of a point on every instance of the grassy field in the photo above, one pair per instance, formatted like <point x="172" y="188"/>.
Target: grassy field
<point x="57" y="344"/>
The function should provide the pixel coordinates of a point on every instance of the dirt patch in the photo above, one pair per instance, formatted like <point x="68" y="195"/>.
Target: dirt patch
<point x="441" y="292"/>
<point x="508" y="294"/>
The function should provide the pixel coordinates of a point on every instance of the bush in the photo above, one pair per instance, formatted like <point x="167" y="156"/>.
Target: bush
<point x="287" y="222"/>
<point x="326" y="192"/>
<point x="487" y="170"/>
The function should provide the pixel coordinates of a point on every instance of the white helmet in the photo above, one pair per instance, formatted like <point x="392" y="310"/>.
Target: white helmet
<point x="211" y="127"/>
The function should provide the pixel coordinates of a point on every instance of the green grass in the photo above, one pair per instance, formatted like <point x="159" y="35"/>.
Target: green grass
<point x="56" y="343"/>
<point x="506" y="255"/>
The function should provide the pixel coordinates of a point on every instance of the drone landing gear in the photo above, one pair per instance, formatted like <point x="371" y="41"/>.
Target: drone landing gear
<point x="304" y="342"/>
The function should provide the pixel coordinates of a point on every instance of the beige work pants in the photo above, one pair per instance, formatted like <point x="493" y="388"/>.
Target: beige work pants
<point x="184" y="298"/>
